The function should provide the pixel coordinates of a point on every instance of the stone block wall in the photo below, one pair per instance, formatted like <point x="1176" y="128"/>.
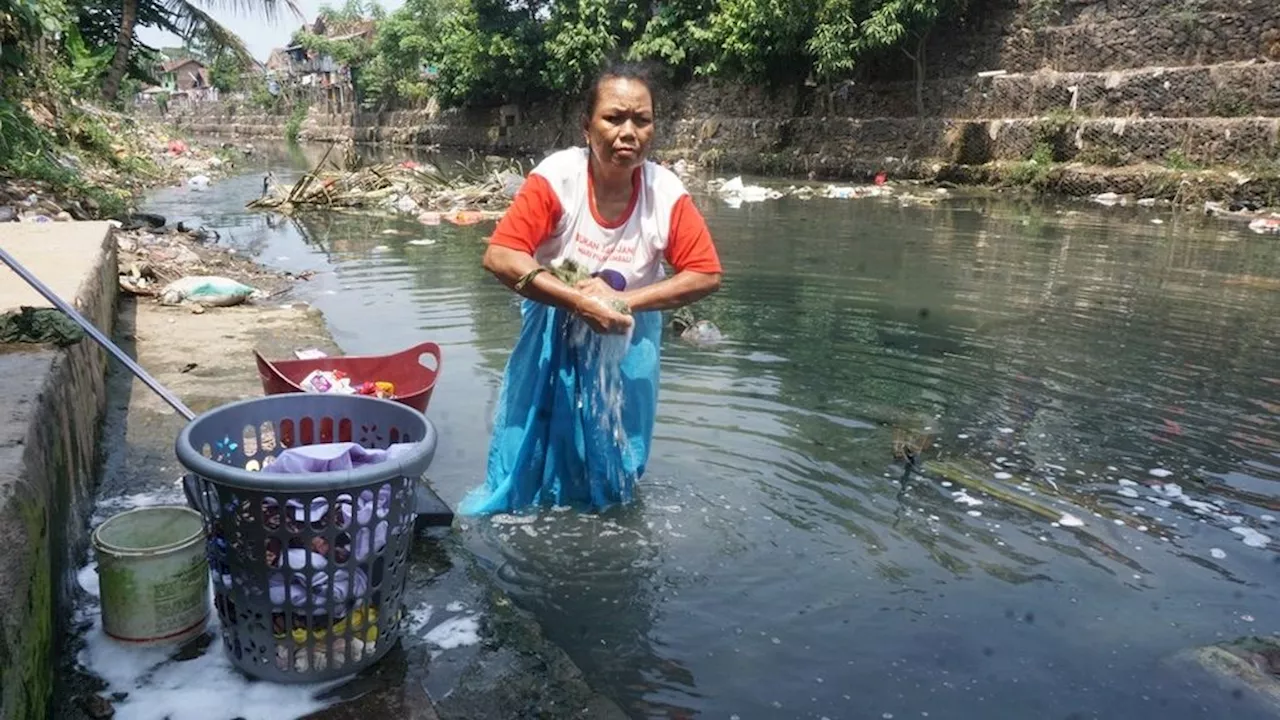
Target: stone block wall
<point x="1105" y="82"/>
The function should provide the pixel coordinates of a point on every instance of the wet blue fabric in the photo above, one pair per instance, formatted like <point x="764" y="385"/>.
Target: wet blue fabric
<point x="555" y="441"/>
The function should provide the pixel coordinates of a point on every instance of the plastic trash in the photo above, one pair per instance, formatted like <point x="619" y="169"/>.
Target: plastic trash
<point x="210" y="290"/>
<point x="1266" y="225"/>
<point x="406" y="204"/>
<point x="511" y="184"/>
<point x="735" y="190"/>
<point x="199" y="182"/>
<point x="851" y="192"/>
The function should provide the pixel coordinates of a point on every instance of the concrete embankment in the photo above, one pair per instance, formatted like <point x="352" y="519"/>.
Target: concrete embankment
<point x="50" y="411"/>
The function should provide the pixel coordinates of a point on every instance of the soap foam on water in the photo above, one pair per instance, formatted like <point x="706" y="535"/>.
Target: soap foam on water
<point x="1069" y="520"/>
<point x="418" y="618"/>
<point x="109" y="507"/>
<point x="455" y="632"/>
<point x="88" y="579"/>
<point x="1251" y="537"/>
<point x="203" y="688"/>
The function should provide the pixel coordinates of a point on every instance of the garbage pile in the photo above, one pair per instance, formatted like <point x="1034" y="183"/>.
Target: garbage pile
<point x="467" y="196"/>
<point x="1259" y="219"/>
<point x="186" y="267"/>
<point x="29" y="201"/>
<point x="101" y="156"/>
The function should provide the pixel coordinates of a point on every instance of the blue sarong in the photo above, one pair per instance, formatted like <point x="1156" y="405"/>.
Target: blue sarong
<point x="557" y="438"/>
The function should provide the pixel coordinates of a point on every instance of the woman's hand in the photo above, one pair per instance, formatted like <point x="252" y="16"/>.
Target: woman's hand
<point x="599" y="316"/>
<point x="597" y="308"/>
<point x="601" y="297"/>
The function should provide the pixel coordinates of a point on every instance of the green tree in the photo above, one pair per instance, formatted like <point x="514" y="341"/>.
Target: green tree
<point x="850" y="30"/>
<point x="490" y="51"/>
<point x="582" y="34"/>
<point x="401" y="50"/>
<point x="760" y="39"/>
<point x="677" y="35"/>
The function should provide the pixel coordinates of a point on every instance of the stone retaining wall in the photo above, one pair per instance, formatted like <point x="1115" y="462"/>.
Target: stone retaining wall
<point x="1106" y="82"/>
<point x="48" y="453"/>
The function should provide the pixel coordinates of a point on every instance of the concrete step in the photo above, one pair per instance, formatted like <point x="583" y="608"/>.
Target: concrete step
<point x="1028" y="36"/>
<point x="1196" y="38"/>
<point x="1078" y="12"/>
<point x="1104" y="141"/>
<point x="1223" y="90"/>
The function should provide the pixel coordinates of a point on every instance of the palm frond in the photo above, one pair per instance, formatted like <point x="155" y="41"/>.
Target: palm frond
<point x="191" y="20"/>
<point x="268" y="9"/>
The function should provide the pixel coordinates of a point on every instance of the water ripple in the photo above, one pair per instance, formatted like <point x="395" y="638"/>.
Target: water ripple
<point x="1101" y="419"/>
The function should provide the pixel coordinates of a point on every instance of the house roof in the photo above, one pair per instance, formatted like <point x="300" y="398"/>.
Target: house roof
<point x="175" y="64"/>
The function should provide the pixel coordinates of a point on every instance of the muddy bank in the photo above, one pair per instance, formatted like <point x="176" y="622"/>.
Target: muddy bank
<point x="468" y="653"/>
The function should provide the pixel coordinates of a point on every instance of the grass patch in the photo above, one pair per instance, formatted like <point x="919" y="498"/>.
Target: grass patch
<point x="294" y="125"/>
<point x="29" y="152"/>
<point x="1177" y="160"/>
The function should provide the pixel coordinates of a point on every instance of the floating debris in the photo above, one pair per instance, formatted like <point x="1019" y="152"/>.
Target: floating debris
<point x="1253" y="662"/>
<point x="1266" y="224"/>
<point x="468" y="196"/>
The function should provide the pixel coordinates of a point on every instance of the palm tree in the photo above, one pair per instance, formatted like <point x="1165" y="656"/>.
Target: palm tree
<point x="189" y="19"/>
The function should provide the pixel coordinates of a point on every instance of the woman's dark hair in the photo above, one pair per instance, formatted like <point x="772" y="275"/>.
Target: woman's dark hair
<point x="639" y="71"/>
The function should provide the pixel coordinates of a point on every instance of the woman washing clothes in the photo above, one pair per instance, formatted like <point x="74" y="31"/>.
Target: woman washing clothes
<point x="612" y="213"/>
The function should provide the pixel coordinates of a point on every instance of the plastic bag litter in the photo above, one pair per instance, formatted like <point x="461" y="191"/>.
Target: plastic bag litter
<point x="405" y="204"/>
<point x="734" y="189"/>
<point x="211" y="290"/>
<point x="1266" y="225"/>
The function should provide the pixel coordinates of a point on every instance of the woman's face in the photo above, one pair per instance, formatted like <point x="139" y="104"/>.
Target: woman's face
<point x="621" y="124"/>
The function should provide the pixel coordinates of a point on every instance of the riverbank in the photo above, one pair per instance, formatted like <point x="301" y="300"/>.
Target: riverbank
<point x="469" y="652"/>
<point x="86" y="163"/>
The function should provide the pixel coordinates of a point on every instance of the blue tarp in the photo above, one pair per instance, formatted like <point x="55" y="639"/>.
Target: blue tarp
<point x="556" y="440"/>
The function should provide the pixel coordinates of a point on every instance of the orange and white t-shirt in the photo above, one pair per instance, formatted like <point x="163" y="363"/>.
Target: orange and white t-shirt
<point x="553" y="217"/>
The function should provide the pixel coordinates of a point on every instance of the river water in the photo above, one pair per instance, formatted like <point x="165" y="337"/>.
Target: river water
<point x="1115" y="365"/>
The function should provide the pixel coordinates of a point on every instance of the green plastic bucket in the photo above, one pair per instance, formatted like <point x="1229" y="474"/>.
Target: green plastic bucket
<point x="153" y="576"/>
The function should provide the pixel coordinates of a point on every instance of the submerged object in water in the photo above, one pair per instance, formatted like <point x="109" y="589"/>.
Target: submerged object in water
<point x="698" y="332"/>
<point x="703" y="332"/>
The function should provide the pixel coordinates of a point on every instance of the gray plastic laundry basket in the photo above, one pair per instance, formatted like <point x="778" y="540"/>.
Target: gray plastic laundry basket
<point x="308" y="570"/>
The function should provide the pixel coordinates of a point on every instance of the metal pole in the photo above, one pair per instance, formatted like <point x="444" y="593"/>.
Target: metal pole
<point x="106" y="343"/>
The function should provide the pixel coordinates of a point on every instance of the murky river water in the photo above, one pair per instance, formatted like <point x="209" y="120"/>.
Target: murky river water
<point x="777" y="565"/>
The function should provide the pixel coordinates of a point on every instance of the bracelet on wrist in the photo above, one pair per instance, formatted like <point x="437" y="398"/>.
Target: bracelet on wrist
<point x="528" y="278"/>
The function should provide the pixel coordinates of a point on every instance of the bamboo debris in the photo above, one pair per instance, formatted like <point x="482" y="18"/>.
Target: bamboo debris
<point x="405" y="187"/>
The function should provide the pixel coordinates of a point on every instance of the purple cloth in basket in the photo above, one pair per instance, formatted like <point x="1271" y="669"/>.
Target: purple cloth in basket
<point x="340" y="456"/>
<point x="313" y="593"/>
<point x="327" y="457"/>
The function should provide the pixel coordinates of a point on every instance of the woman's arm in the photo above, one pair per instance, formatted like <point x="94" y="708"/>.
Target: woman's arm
<point x="681" y="289"/>
<point x="512" y="266"/>
<point x="692" y="253"/>
<point x="509" y="266"/>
